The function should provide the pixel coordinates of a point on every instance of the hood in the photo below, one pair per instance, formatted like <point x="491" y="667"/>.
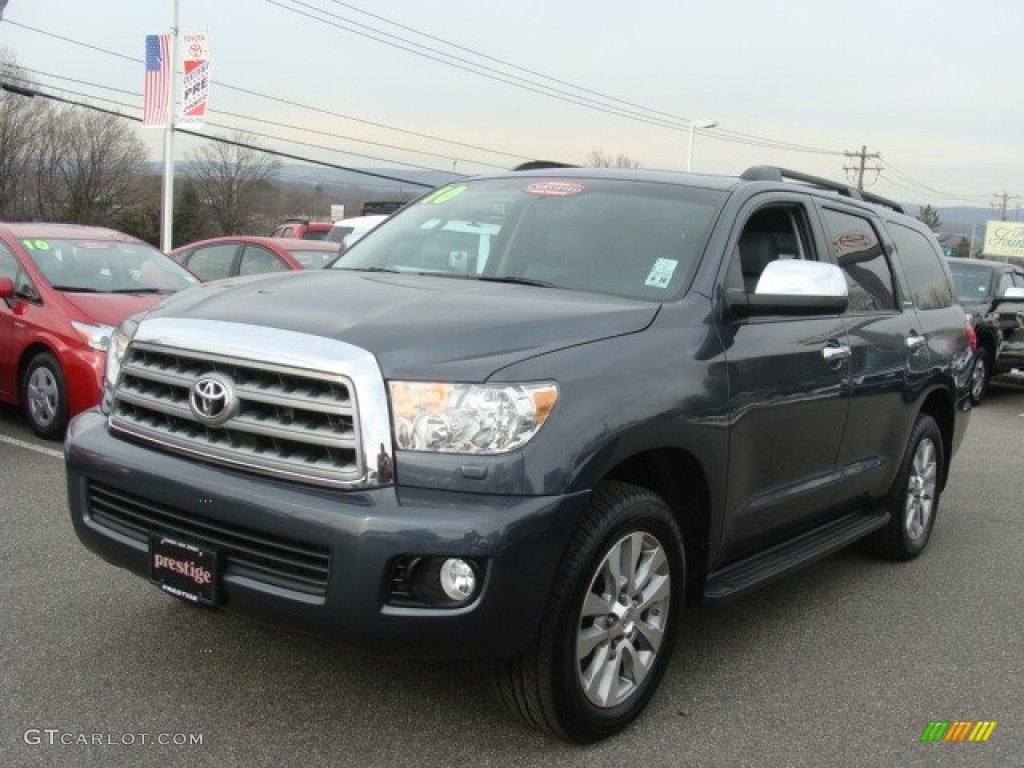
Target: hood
<point x="418" y="327"/>
<point x="111" y="308"/>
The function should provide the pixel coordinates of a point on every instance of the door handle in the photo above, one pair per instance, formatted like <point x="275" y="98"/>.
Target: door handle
<point x="835" y="352"/>
<point x="915" y="342"/>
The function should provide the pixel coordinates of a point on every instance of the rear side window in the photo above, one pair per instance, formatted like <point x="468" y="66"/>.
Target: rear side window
<point x="213" y="262"/>
<point x="929" y="281"/>
<point x="856" y="248"/>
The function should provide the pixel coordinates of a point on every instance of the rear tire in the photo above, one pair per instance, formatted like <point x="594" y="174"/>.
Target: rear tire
<point x="44" y="397"/>
<point x="980" y="375"/>
<point x="608" y="631"/>
<point x="913" y="501"/>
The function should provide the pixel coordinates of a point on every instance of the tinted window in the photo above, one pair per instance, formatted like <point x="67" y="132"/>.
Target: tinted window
<point x="777" y="232"/>
<point x="922" y="262"/>
<point x="212" y="262"/>
<point x="856" y="248"/>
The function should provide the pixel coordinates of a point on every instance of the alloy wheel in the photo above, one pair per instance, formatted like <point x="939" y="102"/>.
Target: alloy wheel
<point x="623" y="619"/>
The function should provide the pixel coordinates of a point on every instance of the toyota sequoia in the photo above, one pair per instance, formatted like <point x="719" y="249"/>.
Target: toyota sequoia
<point x="531" y="416"/>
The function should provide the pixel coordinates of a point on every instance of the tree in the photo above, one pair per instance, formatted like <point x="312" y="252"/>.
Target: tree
<point x="598" y="159"/>
<point x="100" y="171"/>
<point x="19" y="118"/>
<point x="234" y="179"/>
<point x="930" y="217"/>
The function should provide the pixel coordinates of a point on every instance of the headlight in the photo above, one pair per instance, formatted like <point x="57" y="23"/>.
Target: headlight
<point x="468" y="418"/>
<point x="119" y="340"/>
<point x="96" y="336"/>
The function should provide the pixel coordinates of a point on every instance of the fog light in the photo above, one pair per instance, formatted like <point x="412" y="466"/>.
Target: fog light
<point x="458" y="580"/>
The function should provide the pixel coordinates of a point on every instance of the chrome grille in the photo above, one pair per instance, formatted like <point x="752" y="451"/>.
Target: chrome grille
<point x="291" y="422"/>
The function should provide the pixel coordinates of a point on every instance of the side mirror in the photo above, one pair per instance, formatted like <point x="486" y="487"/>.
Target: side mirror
<point x="6" y="288"/>
<point x="794" y="287"/>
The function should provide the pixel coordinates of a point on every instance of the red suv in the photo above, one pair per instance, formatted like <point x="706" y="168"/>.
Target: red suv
<point x="303" y="229"/>
<point x="63" y="290"/>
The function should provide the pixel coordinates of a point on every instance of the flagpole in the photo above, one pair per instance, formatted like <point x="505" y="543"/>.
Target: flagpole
<point x="167" y="196"/>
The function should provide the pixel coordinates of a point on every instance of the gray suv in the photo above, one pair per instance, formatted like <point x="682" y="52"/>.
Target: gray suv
<point x="531" y="416"/>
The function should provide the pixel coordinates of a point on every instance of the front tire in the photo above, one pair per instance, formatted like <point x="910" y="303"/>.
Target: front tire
<point x="44" y="396"/>
<point x="913" y="501"/>
<point x="608" y="631"/>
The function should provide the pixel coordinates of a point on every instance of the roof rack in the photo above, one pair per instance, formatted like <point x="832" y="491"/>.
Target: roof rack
<point x="773" y="173"/>
<point x="540" y="165"/>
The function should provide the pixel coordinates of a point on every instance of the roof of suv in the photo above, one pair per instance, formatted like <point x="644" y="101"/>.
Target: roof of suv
<point x="770" y="177"/>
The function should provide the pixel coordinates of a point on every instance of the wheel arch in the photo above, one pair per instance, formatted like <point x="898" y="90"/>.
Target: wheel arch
<point x="939" y="405"/>
<point x="27" y="354"/>
<point x="677" y="477"/>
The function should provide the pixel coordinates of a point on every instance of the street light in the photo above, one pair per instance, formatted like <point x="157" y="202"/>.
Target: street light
<point x="694" y="125"/>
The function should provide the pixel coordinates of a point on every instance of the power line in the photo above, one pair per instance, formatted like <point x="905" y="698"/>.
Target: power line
<point x="288" y="102"/>
<point x="889" y="166"/>
<point x="279" y="125"/>
<point x="681" y="122"/>
<point x="672" y="122"/>
<point x="32" y="92"/>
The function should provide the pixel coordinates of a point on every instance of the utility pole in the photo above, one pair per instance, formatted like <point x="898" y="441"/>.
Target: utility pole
<point x="862" y="158"/>
<point x="1002" y="200"/>
<point x="167" y="187"/>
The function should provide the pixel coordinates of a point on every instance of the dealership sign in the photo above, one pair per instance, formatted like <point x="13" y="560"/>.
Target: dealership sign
<point x="1004" y="238"/>
<point x="195" y="93"/>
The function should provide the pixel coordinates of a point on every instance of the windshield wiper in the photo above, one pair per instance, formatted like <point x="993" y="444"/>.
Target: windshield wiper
<point x="75" y="289"/>
<point x="388" y="270"/>
<point x="142" y="290"/>
<point x="515" y="280"/>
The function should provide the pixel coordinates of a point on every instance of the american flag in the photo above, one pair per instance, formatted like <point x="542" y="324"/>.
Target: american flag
<point x="158" y="80"/>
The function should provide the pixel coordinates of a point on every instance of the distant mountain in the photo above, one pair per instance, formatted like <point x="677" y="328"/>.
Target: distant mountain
<point x="958" y="220"/>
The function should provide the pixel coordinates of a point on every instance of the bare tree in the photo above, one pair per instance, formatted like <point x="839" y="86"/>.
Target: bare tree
<point x="234" y="179"/>
<point x="19" y="118"/>
<point x="599" y="159"/>
<point x="99" y="175"/>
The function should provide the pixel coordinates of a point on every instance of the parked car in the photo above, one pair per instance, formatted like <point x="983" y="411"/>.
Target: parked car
<point x="303" y="229"/>
<point x="346" y="232"/>
<point x="221" y="257"/>
<point x="992" y="292"/>
<point x="63" y="290"/>
<point x="531" y="414"/>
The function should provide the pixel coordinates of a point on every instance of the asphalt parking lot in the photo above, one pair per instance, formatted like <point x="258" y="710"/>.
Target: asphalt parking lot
<point x="845" y="664"/>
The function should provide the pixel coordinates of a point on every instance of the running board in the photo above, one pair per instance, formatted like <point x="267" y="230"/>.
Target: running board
<point x="744" y="575"/>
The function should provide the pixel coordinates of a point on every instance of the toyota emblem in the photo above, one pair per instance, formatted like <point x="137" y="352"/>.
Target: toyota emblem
<point x="213" y="399"/>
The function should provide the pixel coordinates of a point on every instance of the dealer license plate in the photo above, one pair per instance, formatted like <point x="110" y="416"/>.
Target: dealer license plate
<point x="185" y="570"/>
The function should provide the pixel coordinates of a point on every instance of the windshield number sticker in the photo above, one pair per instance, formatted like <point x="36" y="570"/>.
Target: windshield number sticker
<point x="36" y="245"/>
<point x="661" y="273"/>
<point x="446" y="194"/>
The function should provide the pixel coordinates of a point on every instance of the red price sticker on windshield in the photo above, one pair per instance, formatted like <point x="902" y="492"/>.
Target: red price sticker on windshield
<point x="555" y="188"/>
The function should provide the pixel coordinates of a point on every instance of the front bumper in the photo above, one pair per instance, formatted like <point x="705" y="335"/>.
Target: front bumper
<point x="357" y="536"/>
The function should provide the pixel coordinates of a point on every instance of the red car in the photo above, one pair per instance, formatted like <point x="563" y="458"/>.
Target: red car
<point x="302" y="229"/>
<point x="63" y="290"/>
<point x="252" y="255"/>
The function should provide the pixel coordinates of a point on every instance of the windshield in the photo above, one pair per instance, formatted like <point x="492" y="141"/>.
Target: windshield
<point x="626" y="238"/>
<point x="106" y="266"/>
<point x="972" y="283"/>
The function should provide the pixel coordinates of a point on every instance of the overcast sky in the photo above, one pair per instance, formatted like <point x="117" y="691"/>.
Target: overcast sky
<point x="931" y="85"/>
